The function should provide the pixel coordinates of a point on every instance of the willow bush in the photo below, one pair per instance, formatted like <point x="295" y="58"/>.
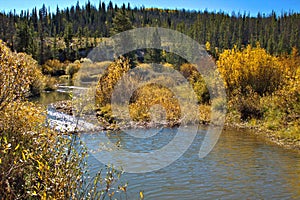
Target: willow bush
<point x="54" y="67"/>
<point x="19" y="76"/>
<point x="264" y="87"/>
<point x="107" y="82"/>
<point x="196" y="80"/>
<point x="283" y="106"/>
<point x="35" y="161"/>
<point x="250" y="74"/>
<point x="151" y="95"/>
<point x="251" y="67"/>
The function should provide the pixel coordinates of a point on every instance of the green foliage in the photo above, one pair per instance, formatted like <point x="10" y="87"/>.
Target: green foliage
<point x="191" y="73"/>
<point x="25" y="38"/>
<point x="31" y="32"/>
<point x="120" y="22"/>
<point x="154" y="55"/>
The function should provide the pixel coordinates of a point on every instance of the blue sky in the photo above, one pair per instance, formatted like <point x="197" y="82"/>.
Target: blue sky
<point x="252" y="6"/>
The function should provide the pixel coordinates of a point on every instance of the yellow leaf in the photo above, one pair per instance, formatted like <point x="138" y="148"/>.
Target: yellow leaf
<point x="44" y="197"/>
<point x="141" y="195"/>
<point x="123" y="188"/>
<point x="23" y="156"/>
<point x="39" y="174"/>
<point x="17" y="147"/>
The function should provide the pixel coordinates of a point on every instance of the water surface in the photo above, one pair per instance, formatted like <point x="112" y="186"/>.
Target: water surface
<point x="241" y="166"/>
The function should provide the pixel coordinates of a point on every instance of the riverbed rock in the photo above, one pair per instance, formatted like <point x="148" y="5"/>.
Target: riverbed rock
<point x="64" y="107"/>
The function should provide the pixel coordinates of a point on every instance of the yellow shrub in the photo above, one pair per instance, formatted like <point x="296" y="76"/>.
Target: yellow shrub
<point x="36" y="162"/>
<point x="19" y="76"/>
<point x="73" y="68"/>
<point x="108" y="81"/>
<point x="54" y="67"/>
<point x="252" y="67"/>
<point x="150" y="95"/>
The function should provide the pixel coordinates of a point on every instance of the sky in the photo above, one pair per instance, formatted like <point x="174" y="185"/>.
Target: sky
<point x="248" y="6"/>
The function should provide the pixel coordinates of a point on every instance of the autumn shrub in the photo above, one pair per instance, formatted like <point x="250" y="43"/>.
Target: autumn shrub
<point x="249" y="75"/>
<point x="33" y="164"/>
<point x="288" y="97"/>
<point x="38" y="163"/>
<point x="188" y="70"/>
<point x="73" y="68"/>
<point x="150" y="95"/>
<point x="247" y="104"/>
<point x="105" y="114"/>
<point x="283" y="106"/>
<point x="19" y="76"/>
<point x="205" y="114"/>
<point x="196" y="80"/>
<point x="49" y="83"/>
<point x="251" y="67"/>
<point x="28" y="165"/>
<point x="37" y="84"/>
<point x="54" y="68"/>
<point x="109" y="79"/>
<point x="144" y="99"/>
<point x="35" y="161"/>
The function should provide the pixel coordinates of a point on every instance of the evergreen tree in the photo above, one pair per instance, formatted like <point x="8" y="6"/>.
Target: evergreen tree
<point x="120" y="23"/>
<point x="68" y="35"/>
<point x="24" y="38"/>
<point x="154" y="54"/>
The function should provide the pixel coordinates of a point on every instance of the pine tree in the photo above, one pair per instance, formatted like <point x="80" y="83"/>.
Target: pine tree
<point x="68" y="35"/>
<point x="154" y="54"/>
<point x="24" y="38"/>
<point x="120" y="23"/>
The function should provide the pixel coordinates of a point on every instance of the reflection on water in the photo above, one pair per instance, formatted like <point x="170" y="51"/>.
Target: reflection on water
<point x="50" y="97"/>
<point x="241" y="166"/>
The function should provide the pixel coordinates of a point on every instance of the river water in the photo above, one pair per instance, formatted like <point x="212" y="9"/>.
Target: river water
<point x="241" y="166"/>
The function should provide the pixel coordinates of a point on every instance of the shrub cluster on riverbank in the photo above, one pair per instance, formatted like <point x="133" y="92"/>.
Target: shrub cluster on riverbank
<point x="35" y="161"/>
<point x="262" y="91"/>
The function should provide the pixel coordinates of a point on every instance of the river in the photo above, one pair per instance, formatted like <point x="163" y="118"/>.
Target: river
<point x="241" y="166"/>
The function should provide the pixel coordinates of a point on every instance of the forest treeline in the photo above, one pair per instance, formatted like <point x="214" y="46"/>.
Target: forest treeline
<point x="66" y="33"/>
